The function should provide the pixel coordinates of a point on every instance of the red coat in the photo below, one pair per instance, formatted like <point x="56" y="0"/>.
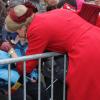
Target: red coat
<point x="65" y="32"/>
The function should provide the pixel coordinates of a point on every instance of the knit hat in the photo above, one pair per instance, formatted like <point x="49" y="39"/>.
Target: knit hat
<point x="18" y="17"/>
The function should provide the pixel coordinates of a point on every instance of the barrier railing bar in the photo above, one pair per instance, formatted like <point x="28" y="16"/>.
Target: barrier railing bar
<point x="64" y="82"/>
<point x="39" y="79"/>
<point x="9" y="81"/>
<point x="52" y="76"/>
<point x="24" y="58"/>
<point x="24" y="78"/>
<point x="39" y="57"/>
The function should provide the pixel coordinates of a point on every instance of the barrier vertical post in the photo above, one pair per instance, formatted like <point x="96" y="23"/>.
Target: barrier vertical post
<point x="24" y="78"/>
<point x="52" y="77"/>
<point x="39" y="79"/>
<point x="64" y="82"/>
<point x="9" y="81"/>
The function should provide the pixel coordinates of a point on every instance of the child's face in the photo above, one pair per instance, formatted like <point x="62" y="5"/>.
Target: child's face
<point x="22" y="32"/>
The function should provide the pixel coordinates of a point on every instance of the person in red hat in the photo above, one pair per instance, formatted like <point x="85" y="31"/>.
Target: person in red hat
<point x="64" y="32"/>
<point x="90" y="11"/>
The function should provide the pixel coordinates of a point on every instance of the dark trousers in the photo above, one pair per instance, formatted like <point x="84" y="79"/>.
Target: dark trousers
<point x="32" y="90"/>
<point x="18" y="95"/>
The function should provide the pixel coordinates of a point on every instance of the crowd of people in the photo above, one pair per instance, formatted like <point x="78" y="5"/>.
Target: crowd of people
<point x="27" y="28"/>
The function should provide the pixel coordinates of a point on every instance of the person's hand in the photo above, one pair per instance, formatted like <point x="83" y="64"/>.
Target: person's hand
<point x="6" y="46"/>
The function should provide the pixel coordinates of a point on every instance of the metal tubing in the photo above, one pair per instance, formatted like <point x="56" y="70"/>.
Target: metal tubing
<point x="52" y="76"/>
<point x="39" y="79"/>
<point x="9" y="82"/>
<point x="64" y="82"/>
<point x="24" y="78"/>
<point x="31" y="57"/>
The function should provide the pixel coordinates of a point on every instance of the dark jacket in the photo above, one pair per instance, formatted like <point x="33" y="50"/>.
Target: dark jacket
<point x="58" y="67"/>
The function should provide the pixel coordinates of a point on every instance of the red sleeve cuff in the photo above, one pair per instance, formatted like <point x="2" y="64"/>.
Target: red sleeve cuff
<point x="30" y="65"/>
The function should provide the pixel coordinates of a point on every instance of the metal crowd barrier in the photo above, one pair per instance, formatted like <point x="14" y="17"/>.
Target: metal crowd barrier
<point x="35" y="57"/>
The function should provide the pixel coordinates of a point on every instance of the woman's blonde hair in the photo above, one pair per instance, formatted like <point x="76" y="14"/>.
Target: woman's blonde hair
<point x="13" y="26"/>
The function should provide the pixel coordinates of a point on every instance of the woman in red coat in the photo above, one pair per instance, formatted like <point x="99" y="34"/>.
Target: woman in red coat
<point x="65" y="32"/>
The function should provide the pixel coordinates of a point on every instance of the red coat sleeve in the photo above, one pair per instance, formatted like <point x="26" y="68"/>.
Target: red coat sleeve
<point x="36" y="44"/>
